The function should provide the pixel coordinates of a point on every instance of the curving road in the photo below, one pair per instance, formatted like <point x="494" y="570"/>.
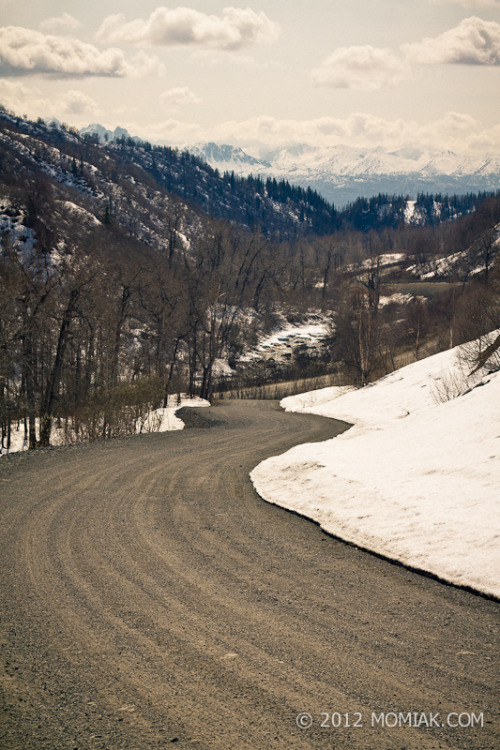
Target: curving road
<point x="149" y="597"/>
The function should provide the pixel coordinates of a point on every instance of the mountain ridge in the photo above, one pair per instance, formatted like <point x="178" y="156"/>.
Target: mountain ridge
<point x="343" y="173"/>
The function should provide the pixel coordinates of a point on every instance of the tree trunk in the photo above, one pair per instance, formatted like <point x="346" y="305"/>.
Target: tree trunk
<point x="170" y="373"/>
<point x="28" y="365"/>
<point x="55" y="374"/>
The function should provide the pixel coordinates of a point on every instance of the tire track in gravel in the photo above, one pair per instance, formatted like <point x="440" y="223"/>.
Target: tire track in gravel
<point x="149" y="596"/>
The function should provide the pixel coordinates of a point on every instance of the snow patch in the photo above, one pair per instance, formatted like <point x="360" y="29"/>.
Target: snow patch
<point x="163" y="420"/>
<point x="82" y="211"/>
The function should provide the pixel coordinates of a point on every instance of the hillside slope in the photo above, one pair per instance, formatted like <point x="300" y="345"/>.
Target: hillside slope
<point x="124" y="169"/>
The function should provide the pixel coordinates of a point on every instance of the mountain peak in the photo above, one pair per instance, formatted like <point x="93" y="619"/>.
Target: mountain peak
<point x="226" y="157"/>
<point x="104" y="134"/>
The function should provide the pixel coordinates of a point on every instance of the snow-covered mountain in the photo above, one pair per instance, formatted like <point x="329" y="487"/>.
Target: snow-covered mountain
<point x="343" y="173"/>
<point x="104" y="135"/>
<point x="229" y="159"/>
<point x="347" y="161"/>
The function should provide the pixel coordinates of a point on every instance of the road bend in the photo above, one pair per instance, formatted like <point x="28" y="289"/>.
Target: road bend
<point x="150" y="597"/>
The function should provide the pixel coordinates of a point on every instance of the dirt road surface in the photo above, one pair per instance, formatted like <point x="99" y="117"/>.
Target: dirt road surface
<point x="150" y="598"/>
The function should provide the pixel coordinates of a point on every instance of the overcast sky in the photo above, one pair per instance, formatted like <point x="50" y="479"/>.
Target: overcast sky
<point x="390" y="73"/>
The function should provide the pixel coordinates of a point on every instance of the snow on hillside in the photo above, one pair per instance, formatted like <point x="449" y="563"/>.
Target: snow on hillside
<point x="83" y="214"/>
<point x="158" y="420"/>
<point x="456" y="263"/>
<point x="12" y="229"/>
<point x="381" y="261"/>
<point x="416" y="479"/>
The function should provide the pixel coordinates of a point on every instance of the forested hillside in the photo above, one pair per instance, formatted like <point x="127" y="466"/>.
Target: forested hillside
<point x="130" y="272"/>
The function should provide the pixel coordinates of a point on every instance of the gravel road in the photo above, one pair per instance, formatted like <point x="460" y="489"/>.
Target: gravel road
<point x="150" y="598"/>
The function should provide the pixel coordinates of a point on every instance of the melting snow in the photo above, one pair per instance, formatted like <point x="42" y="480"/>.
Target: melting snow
<point x="416" y="479"/>
<point x="159" y="420"/>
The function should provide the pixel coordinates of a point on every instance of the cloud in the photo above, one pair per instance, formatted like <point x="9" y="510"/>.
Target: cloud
<point x="171" y="131"/>
<point x="176" y="97"/>
<point x="454" y="131"/>
<point x="367" y="68"/>
<point x="143" y="65"/>
<point x="19" y="97"/>
<point x="235" y="29"/>
<point x="216" y="57"/>
<point x="60" y="24"/>
<point x="472" y="42"/>
<point x="78" y="103"/>
<point x="359" y="129"/>
<point x="28" y="52"/>
<point x="470" y="3"/>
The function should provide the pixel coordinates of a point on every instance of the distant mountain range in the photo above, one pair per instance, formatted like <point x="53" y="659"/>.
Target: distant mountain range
<point x="343" y="173"/>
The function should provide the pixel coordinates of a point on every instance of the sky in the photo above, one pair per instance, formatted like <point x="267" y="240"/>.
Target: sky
<point x="365" y="73"/>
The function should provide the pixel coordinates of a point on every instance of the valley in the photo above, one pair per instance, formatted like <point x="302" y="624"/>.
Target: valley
<point x="132" y="272"/>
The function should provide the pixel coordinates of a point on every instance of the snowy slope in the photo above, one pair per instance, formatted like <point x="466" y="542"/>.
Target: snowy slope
<point x="416" y="479"/>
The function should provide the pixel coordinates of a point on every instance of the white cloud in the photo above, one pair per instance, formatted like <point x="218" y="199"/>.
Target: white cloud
<point x="27" y="52"/>
<point x="27" y="99"/>
<point x="18" y="97"/>
<point x="454" y="131"/>
<point x="78" y="103"/>
<point x="235" y="29"/>
<point x="143" y="65"/>
<point x="61" y="24"/>
<point x="176" y="97"/>
<point x="367" y="68"/>
<point x="472" y="42"/>
<point x="358" y="129"/>
<point x="172" y="132"/>
<point x="470" y="3"/>
<point x="216" y="57"/>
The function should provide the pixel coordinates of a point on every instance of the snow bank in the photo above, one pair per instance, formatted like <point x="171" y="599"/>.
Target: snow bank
<point x="163" y="420"/>
<point x="416" y="479"/>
